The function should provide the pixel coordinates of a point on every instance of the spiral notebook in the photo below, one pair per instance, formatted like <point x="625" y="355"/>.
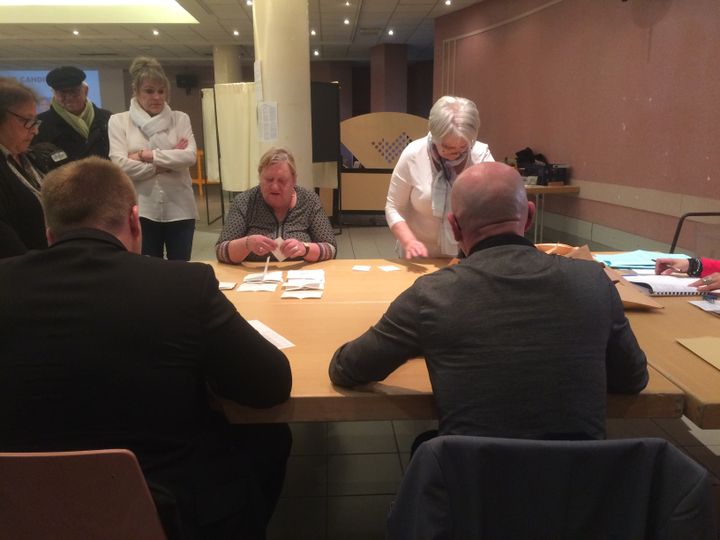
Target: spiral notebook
<point x="665" y="285"/>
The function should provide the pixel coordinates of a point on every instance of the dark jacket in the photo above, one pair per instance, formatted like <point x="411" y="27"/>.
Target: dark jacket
<point x="22" y="221"/>
<point x="103" y="348"/>
<point x="57" y="131"/>
<point x="517" y="343"/>
<point x="486" y="488"/>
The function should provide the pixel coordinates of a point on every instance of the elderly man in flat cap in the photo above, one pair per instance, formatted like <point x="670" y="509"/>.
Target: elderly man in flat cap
<point x="73" y="123"/>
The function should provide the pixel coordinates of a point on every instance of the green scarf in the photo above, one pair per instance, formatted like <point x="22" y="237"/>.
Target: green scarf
<point x="81" y="123"/>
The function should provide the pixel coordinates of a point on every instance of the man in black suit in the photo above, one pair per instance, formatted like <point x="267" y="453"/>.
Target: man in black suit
<point x="101" y="347"/>
<point x="73" y="122"/>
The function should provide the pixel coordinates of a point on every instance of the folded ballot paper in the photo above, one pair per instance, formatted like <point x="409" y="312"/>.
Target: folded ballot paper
<point x="304" y="284"/>
<point x="261" y="281"/>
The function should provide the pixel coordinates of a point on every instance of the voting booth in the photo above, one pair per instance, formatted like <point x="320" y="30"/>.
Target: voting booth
<point x="375" y="142"/>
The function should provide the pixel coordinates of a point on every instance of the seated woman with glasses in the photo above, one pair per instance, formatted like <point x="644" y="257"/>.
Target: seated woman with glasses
<point x="22" y="222"/>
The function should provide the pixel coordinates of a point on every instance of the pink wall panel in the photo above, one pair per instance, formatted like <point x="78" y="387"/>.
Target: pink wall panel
<point x="626" y="92"/>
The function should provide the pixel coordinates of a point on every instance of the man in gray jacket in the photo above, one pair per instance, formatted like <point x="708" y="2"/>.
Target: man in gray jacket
<point x="517" y="343"/>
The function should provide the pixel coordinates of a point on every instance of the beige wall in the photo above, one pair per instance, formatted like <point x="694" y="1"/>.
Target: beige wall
<point x="627" y="93"/>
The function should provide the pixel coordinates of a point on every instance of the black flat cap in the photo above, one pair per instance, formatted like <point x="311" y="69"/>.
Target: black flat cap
<point x="65" y="77"/>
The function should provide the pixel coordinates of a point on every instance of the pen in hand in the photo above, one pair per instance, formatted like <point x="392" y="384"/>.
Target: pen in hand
<point x="665" y="267"/>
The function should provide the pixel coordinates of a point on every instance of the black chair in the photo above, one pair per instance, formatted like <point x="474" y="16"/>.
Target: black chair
<point x="680" y="224"/>
<point x="459" y="487"/>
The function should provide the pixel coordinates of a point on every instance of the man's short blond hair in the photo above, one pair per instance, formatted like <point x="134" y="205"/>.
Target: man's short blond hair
<point x="89" y="193"/>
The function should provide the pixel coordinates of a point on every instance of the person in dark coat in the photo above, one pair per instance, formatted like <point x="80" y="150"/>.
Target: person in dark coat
<point x="22" y="223"/>
<point x="73" y="123"/>
<point x="101" y="347"/>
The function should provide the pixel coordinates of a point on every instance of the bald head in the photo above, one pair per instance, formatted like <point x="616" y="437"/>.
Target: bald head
<point x="489" y="199"/>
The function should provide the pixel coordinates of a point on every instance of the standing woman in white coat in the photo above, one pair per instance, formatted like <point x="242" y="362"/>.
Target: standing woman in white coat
<point x="155" y="146"/>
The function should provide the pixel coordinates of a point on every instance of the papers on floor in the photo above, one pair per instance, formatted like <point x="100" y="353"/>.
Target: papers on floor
<point x="665" y="285"/>
<point x="636" y="259"/>
<point x="304" y="284"/>
<point x="271" y="335"/>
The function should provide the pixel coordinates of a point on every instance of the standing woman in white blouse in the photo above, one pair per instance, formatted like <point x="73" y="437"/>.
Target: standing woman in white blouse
<point x="155" y="146"/>
<point x="418" y="200"/>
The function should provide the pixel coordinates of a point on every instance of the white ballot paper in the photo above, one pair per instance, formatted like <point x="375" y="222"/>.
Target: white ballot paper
<point x="277" y="251"/>
<point x="271" y="335"/>
<point x="261" y="281"/>
<point x="227" y="285"/>
<point x="304" y="284"/>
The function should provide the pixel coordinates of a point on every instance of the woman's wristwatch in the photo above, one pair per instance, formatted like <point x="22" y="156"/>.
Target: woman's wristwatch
<point x="307" y="249"/>
<point x="694" y="267"/>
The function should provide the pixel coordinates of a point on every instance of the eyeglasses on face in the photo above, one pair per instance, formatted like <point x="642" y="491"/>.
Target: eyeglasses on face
<point x="70" y="92"/>
<point x="29" y="123"/>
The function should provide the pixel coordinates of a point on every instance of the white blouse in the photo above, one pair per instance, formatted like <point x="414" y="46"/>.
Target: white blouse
<point x="164" y="187"/>
<point x="409" y="197"/>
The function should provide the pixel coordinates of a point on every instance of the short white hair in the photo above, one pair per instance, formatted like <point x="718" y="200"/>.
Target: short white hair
<point x="456" y="116"/>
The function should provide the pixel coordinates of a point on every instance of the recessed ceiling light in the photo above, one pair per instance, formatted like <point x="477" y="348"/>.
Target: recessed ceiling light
<point x="316" y="53"/>
<point x="248" y="2"/>
<point x="448" y="2"/>
<point x="156" y="33"/>
<point x="391" y="32"/>
<point x="76" y="33"/>
<point x="312" y="32"/>
<point x="236" y="33"/>
<point x="347" y="21"/>
<point x="347" y="3"/>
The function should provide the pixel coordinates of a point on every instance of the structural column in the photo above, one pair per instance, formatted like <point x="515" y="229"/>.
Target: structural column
<point x="226" y="63"/>
<point x="388" y="78"/>
<point x="282" y="53"/>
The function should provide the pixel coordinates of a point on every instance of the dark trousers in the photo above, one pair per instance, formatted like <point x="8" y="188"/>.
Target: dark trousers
<point x="228" y="492"/>
<point x="173" y="238"/>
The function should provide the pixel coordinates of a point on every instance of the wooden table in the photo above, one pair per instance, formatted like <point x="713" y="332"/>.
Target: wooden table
<point x="352" y="302"/>
<point x="539" y="193"/>
<point x="657" y="332"/>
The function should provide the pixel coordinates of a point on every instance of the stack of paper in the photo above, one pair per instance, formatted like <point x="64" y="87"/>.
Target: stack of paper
<point x="262" y="281"/>
<point x="665" y="285"/>
<point x="304" y="284"/>
<point x="636" y="259"/>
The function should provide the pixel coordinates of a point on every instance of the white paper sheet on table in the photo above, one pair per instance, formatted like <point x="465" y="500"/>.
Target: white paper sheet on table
<point x="271" y="335"/>
<point x="258" y="287"/>
<point x="302" y="293"/>
<point x="276" y="276"/>
<point x="227" y="285"/>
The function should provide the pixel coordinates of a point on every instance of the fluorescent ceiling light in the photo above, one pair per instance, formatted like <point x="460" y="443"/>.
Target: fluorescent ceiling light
<point x="93" y="12"/>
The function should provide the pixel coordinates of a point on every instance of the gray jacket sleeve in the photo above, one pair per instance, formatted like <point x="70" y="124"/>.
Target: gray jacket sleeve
<point x="626" y="365"/>
<point x="382" y="349"/>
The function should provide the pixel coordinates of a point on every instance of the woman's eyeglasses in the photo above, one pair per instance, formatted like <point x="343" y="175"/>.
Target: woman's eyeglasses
<point x="29" y="123"/>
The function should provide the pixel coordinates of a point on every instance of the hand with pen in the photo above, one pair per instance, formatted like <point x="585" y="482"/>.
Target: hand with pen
<point x="695" y="267"/>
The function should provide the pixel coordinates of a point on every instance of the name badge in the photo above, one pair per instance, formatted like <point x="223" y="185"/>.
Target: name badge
<point x="60" y="155"/>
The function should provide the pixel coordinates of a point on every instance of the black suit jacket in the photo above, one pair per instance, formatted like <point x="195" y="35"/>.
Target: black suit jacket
<point x="57" y="131"/>
<point x="22" y="220"/>
<point x="102" y="348"/>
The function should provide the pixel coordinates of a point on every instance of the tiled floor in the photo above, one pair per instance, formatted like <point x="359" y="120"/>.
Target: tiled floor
<point x="342" y="476"/>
